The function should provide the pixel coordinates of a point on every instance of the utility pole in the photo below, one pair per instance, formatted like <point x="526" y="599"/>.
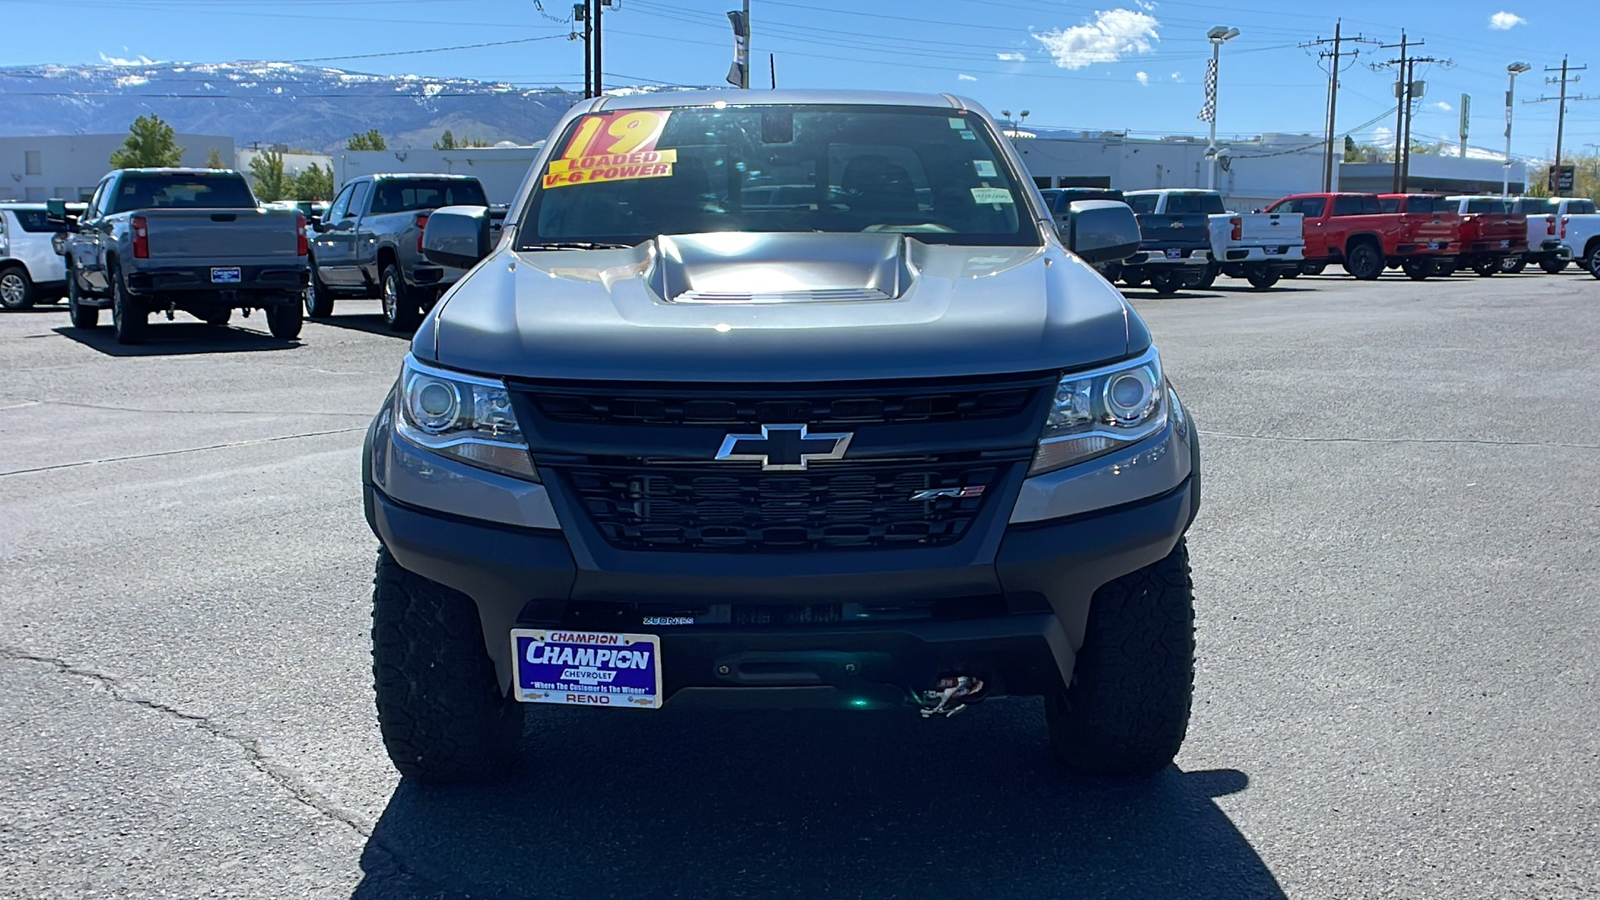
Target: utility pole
<point x="1402" y="93"/>
<point x="1411" y="109"/>
<point x="1331" y="156"/>
<point x="599" y="69"/>
<point x="1561" y="114"/>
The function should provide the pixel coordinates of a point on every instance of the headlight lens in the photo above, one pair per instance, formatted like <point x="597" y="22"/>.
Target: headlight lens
<point x="463" y="417"/>
<point x="1097" y="412"/>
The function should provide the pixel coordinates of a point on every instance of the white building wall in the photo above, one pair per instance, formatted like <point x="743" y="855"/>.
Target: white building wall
<point x="501" y="169"/>
<point x="68" y="166"/>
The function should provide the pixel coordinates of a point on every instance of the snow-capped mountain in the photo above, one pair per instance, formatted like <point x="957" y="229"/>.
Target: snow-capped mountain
<point x="309" y="107"/>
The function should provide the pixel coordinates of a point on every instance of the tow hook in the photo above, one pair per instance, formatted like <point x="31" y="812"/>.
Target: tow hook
<point x="947" y="698"/>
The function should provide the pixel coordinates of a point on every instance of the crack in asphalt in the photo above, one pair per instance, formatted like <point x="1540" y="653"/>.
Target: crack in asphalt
<point x="282" y="776"/>
<point x="159" y="453"/>
<point x="1363" y="440"/>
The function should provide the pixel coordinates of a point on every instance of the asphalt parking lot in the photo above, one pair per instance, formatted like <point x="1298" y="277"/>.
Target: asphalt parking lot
<point x="1399" y="640"/>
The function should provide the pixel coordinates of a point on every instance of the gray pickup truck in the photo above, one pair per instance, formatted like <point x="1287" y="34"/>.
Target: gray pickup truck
<point x="369" y="245"/>
<point x="162" y="240"/>
<point x="892" y="445"/>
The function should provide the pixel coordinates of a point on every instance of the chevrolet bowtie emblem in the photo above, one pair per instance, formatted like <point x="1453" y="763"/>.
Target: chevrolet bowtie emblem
<point x="783" y="448"/>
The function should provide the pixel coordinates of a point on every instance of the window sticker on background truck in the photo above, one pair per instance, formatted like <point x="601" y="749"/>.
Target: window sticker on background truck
<point x="619" y="146"/>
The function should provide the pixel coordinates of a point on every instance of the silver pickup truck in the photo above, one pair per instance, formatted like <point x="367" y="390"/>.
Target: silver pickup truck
<point x="182" y="239"/>
<point x="369" y="245"/>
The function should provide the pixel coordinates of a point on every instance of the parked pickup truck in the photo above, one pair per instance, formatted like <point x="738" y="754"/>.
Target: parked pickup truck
<point x="30" y="265"/>
<point x="891" y="449"/>
<point x="1491" y="234"/>
<point x="369" y="245"/>
<point x="1352" y="229"/>
<point x="182" y="239"/>
<point x="1427" y="221"/>
<point x="1258" y="247"/>
<point x="1560" y="229"/>
<point x="1177" y="238"/>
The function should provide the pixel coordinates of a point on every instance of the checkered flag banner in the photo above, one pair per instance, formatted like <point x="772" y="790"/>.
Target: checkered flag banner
<point x="1208" y="113"/>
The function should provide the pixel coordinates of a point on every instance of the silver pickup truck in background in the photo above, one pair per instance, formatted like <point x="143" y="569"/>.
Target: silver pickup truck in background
<point x="182" y="239"/>
<point x="369" y="245"/>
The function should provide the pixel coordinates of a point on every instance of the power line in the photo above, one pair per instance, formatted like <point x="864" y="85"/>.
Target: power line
<point x="1561" y="111"/>
<point x="310" y="59"/>
<point x="1334" y="70"/>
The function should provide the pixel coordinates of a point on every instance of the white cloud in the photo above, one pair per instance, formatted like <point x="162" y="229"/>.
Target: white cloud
<point x="1383" y="136"/>
<point x="965" y="77"/>
<point x="119" y="61"/>
<point x="1505" y="21"/>
<point x="1113" y="34"/>
<point x="1176" y="76"/>
<point x="1145" y="5"/>
<point x="1142" y="77"/>
<point x="1442" y="106"/>
<point x="1010" y="57"/>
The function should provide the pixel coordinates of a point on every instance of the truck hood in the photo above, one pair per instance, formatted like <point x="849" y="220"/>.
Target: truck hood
<point x="779" y="308"/>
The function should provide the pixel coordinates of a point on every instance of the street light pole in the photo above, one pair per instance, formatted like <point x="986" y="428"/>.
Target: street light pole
<point x="1218" y="36"/>
<point x="1515" y="69"/>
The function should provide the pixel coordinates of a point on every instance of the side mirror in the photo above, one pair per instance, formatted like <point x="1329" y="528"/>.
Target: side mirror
<point x="58" y="243"/>
<point x="55" y="212"/>
<point x="457" y="236"/>
<point x="316" y="223"/>
<point x="1101" y="230"/>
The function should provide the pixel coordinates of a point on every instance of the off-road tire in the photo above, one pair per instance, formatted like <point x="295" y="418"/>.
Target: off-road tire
<point x="440" y="708"/>
<point x="1418" y="269"/>
<point x="129" y="319"/>
<point x="215" y="316"/>
<point x="319" y="301"/>
<point x="16" y="288"/>
<point x="401" y="311"/>
<point x="79" y="315"/>
<point x="1262" y="279"/>
<point x="1513" y="265"/>
<point x="285" y="319"/>
<point x="1208" y="280"/>
<point x="1553" y="266"/>
<point x="1486" y="268"/>
<point x="1364" y="261"/>
<point x="1164" y="283"/>
<point x="1591" y="260"/>
<point x="1313" y="268"/>
<point x="1127" y="709"/>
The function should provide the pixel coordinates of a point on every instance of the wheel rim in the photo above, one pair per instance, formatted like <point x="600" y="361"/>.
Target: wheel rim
<point x="12" y="289"/>
<point x="391" y="299"/>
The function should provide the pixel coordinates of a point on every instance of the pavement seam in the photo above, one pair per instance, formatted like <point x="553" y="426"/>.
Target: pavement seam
<point x="160" y="453"/>
<point x="1362" y="440"/>
<point x="192" y="412"/>
<point x="280" y="775"/>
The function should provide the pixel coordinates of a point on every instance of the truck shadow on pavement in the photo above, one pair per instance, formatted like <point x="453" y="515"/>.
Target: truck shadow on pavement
<point x="367" y="323"/>
<point x="178" y="339"/>
<point x="809" y="805"/>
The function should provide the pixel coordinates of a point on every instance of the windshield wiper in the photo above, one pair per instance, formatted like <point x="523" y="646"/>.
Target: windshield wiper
<point x="575" y="245"/>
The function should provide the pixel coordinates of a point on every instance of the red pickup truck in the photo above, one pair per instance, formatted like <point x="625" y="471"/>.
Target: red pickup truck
<point x="1353" y="229"/>
<point x="1426" y="221"/>
<point x="1491" y="234"/>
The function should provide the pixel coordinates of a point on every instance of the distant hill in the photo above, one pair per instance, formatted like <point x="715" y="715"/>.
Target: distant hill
<point x="305" y="107"/>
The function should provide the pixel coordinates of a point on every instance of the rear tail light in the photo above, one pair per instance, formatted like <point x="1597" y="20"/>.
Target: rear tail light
<point x="1564" y="220"/>
<point x="1238" y="227"/>
<point x="1549" y="224"/>
<point x="141" y="238"/>
<point x="301" y="247"/>
<point x="422" y="227"/>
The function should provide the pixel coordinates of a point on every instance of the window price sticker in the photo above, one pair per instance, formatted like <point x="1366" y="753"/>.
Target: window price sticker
<point x="618" y="146"/>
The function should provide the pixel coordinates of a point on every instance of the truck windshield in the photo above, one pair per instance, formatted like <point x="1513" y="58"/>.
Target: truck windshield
<point x="1486" y="205"/>
<point x="630" y="175"/>
<point x="406" y="195"/>
<point x="182" y="190"/>
<point x="1184" y="204"/>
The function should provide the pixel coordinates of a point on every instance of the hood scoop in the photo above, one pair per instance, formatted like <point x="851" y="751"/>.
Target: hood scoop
<point x="808" y="267"/>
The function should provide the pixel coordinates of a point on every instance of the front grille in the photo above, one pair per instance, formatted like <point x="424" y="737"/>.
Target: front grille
<point x="889" y="407"/>
<point x="731" y="509"/>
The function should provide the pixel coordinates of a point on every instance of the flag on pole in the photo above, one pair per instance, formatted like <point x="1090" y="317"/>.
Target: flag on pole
<point x="739" y="72"/>
<point x="1208" y="113"/>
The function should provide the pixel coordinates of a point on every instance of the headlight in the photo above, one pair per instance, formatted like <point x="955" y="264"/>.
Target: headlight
<point x="1097" y="412"/>
<point x="462" y="417"/>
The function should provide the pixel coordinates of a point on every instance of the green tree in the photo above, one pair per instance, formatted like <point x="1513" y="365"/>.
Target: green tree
<point x="372" y="140"/>
<point x="314" y="183"/>
<point x="267" y="172"/>
<point x="448" y="141"/>
<point x="150" y="142"/>
<point x="214" y="159"/>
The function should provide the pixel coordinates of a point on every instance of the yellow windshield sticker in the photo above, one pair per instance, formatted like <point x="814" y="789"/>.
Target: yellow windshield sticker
<point x="618" y="146"/>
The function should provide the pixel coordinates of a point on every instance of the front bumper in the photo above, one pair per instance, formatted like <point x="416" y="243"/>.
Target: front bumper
<point x="1009" y="607"/>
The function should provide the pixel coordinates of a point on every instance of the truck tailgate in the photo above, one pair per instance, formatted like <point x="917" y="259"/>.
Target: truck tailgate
<point x="1161" y="230"/>
<point x="1496" y="227"/>
<point x="260" y="236"/>
<point x="1256" y="229"/>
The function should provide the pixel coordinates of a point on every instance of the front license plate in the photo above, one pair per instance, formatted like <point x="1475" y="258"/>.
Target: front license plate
<point x="586" y="668"/>
<point x="226" y="275"/>
<point x="1174" y="254"/>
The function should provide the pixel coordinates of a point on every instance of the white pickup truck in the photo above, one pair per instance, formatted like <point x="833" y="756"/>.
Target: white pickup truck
<point x="1258" y="247"/>
<point x="1560" y="230"/>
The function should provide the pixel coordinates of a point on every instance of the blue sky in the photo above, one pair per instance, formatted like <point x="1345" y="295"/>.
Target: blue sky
<point x="1114" y="64"/>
